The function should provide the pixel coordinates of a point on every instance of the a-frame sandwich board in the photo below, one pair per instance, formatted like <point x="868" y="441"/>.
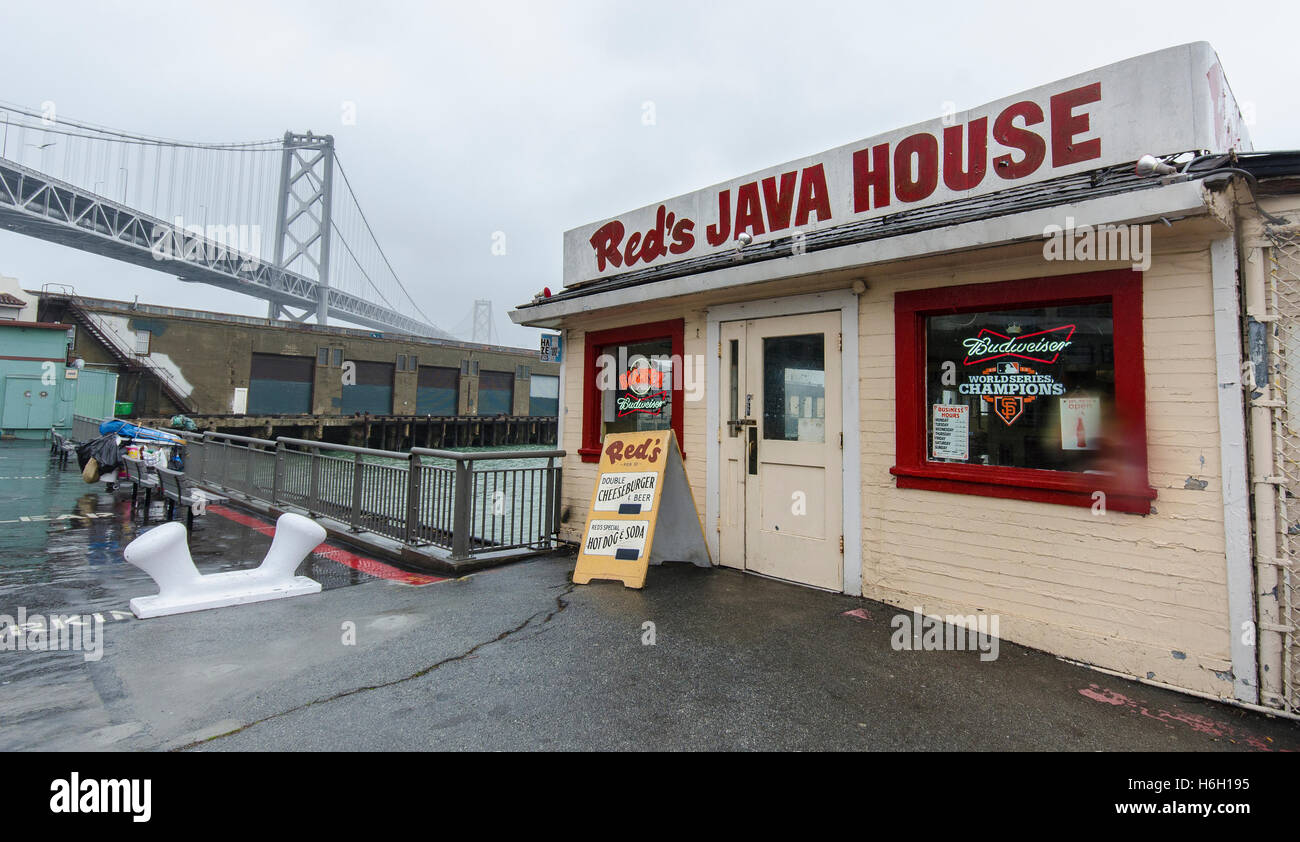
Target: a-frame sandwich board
<point x="642" y="511"/>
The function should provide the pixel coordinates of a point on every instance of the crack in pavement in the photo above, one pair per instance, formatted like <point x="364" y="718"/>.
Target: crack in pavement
<point x="560" y="604"/>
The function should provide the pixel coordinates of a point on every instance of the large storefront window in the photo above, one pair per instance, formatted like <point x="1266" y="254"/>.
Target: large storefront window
<point x="630" y="384"/>
<point x="1026" y="388"/>
<point x="1029" y="389"/>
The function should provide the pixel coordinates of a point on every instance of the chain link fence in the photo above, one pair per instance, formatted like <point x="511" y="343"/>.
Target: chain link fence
<point x="1283" y="353"/>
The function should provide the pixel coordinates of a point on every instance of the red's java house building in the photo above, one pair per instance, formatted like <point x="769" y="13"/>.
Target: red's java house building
<point x="984" y="364"/>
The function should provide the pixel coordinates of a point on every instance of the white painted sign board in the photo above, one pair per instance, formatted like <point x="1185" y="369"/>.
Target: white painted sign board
<point x="1080" y="423"/>
<point x="552" y="348"/>
<point x="642" y="511"/>
<point x="1171" y="101"/>
<point x="950" y="431"/>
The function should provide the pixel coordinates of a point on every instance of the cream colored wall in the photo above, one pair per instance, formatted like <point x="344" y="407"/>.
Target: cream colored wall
<point x="1145" y="595"/>
<point x="1121" y="591"/>
<point x="579" y="476"/>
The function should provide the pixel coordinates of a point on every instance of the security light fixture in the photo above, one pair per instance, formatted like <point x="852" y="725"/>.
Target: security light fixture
<point x="1149" y="165"/>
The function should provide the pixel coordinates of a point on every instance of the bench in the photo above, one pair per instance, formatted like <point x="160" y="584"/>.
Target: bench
<point x="179" y="491"/>
<point x="61" y="447"/>
<point x="140" y="475"/>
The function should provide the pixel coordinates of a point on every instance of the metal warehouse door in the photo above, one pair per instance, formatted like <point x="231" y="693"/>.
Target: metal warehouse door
<point x="373" y="390"/>
<point x="780" y="473"/>
<point x="437" y="391"/>
<point x="280" y="384"/>
<point x="496" y="393"/>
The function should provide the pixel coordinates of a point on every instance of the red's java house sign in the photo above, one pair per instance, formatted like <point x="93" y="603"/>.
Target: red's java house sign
<point x="1171" y="101"/>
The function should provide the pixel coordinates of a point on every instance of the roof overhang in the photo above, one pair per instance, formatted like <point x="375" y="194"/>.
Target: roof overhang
<point x="1168" y="201"/>
<point x="36" y="325"/>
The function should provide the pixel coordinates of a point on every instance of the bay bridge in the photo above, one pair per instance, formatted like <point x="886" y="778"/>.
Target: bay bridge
<point x="276" y="219"/>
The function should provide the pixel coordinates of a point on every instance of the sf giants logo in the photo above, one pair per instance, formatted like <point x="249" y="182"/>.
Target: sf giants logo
<point x="1008" y="407"/>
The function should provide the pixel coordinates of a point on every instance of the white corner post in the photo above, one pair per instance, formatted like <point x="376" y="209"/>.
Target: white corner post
<point x="1264" y="489"/>
<point x="1235" y="478"/>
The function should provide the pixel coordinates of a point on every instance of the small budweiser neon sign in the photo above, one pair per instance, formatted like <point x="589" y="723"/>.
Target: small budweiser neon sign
<point x="646" y="392"/>
<point x="1045" y="346"/>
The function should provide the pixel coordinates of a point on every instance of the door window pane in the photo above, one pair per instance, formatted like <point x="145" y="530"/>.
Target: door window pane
<point x="735" y="387"/>
<point x="794" y="388"/>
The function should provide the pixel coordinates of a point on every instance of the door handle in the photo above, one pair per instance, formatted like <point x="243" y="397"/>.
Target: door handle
<point x="753" y="448"/>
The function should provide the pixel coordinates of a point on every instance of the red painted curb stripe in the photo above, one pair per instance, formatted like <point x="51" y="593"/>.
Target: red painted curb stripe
<point x="366" y="565"/>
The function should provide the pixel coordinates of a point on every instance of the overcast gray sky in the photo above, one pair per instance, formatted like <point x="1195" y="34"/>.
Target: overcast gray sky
<point x="527" y="118"/>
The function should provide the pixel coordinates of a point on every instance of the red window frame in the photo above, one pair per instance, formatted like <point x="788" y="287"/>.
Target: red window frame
<point x="594" y="342"/>
<point x="1126" y="492"/>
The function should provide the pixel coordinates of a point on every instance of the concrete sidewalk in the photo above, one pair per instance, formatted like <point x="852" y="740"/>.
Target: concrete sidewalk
<point x="518" y="658"/>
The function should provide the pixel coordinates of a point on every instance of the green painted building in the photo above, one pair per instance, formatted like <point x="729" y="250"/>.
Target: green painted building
<point x="39" y="390"/>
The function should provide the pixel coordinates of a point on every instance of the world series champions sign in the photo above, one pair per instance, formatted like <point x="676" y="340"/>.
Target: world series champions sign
<point x="642" y="511"/>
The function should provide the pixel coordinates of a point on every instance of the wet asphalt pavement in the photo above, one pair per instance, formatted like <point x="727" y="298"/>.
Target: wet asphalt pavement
<point x="519" y="658"/>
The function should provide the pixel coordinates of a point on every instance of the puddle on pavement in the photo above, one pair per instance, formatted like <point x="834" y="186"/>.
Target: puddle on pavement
<point x="61" y="540"/>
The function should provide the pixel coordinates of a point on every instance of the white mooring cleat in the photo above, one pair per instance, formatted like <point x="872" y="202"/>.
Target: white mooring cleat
<point x="165" y="556"/>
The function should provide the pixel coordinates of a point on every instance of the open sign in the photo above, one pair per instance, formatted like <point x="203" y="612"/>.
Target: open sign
<point x="641" y="379"/>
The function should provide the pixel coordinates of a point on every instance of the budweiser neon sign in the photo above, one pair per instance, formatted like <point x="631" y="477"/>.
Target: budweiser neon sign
<point x="642" y="381"/>
<point x="1045" y="346"/>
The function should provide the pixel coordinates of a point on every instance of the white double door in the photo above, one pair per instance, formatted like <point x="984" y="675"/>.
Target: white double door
<point x="780" y="479"/>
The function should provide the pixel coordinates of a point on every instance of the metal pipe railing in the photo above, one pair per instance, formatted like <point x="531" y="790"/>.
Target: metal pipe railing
<point x="460" y="456"/>
<point x="403" y="495"/>
<point x="398" y="494"/>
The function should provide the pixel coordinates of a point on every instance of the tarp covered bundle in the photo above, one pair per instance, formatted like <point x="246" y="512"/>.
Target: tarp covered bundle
<point x="131" y="431"/>
<point x="103" y="450"/>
